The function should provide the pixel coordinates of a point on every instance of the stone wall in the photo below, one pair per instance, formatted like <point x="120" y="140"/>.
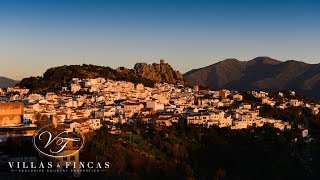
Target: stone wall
<point x="10" y="113"/>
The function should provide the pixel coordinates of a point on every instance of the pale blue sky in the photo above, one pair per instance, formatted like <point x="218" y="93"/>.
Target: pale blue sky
<point x="188" y="34"/>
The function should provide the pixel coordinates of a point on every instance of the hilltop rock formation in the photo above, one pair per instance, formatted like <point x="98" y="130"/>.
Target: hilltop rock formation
<point x="54" y="78"/>
<point x="162" y="72"/>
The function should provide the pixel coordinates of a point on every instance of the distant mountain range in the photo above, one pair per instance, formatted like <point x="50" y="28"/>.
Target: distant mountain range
<point x="6" y="82"/>
<point x="148" y="74"/>
<point x="261" y="73"/>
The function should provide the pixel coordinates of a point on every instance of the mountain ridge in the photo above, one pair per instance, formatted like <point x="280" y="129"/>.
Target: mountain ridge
<point x="7" y="82"/>
<point x="261" y="73"/>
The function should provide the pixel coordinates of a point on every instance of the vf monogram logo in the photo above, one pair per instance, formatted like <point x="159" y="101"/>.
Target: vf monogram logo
<point x="52" y="142"/>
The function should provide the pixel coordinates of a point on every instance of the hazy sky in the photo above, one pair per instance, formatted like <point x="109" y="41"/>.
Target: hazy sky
<point x="38" y="34"/>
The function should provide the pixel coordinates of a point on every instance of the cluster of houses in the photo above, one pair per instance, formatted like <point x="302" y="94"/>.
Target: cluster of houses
<point x="265" y="99"/>
<point x="125" y="102"/>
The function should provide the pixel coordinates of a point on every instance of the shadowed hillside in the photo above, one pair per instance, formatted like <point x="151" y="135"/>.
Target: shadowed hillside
<point x="6" y="82"/>
<point x="261" y="73"/>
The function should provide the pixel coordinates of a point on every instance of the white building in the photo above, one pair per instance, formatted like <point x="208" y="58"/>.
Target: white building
<point x="155" y="105"/>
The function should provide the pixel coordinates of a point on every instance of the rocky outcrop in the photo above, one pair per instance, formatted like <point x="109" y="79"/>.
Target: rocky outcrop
<point x="161" y="72"/>
<point x="148" y="74"/>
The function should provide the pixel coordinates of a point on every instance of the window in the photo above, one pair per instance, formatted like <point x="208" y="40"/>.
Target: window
<point x="65" y="159"/>
<point x="72" y="158"/>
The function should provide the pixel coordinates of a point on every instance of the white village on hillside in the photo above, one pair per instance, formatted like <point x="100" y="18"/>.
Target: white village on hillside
<point x="115" y="102"/>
